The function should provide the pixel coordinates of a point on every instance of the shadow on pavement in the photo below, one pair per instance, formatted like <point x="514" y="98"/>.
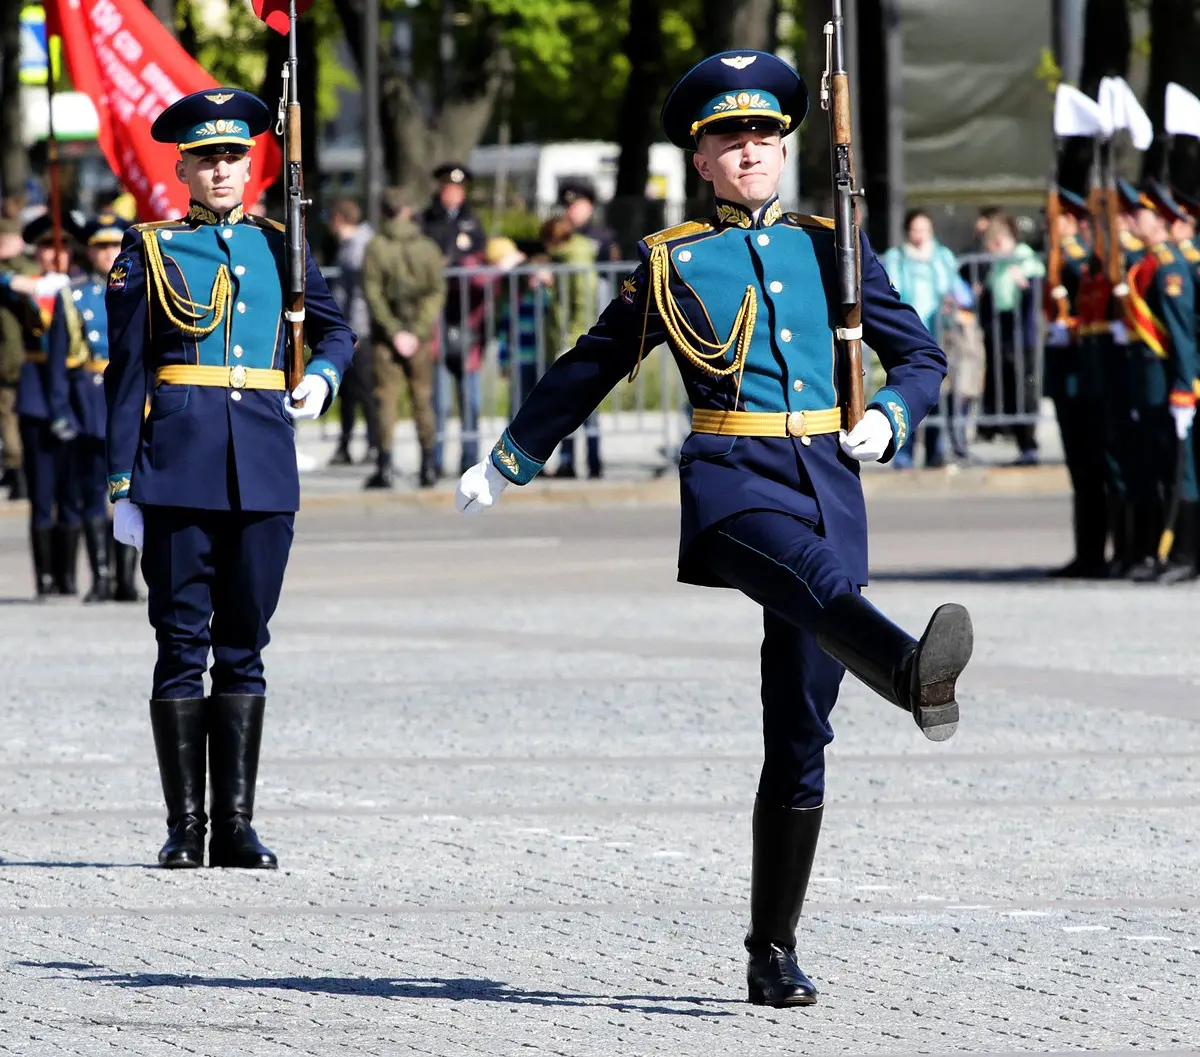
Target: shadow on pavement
<point x="1024" y="574"/>
<point x="452" y="988"/>
<point x="7" y="864"/>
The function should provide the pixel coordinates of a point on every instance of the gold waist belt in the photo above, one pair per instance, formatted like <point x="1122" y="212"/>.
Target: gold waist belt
<point x="1088" y="330"/>
<point x="767" y="423"/>
<point x="95" y="366"/>
<point x="221" y="377"/>
<point x="36" y="357"/>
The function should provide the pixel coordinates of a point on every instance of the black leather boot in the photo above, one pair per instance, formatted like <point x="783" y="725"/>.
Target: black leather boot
<point x="180" y="730"/>
<point x="383" y="476"/>
<point x="918" y="676"/>
<point x="66" y="558"/>
<point x="235" y="736"/>
<point x="17" y="486"/>
<point x="95" y="538"/>
<point x="41" y="545"/>
<point x="429" y="476"/>
<point x="1181" y="563"/>
<point x="1120" y="531"/>
<point x="125" y="561"/>
<point x="785" y="842"/>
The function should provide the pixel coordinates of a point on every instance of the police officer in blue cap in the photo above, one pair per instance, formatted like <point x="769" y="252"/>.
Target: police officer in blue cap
<point x="772" y="504"/>
<point x="202" y="461"/>
<point x="78" y="357"/>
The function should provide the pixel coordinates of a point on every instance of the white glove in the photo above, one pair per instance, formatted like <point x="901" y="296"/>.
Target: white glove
<point x="128" y="525"/>
<point x="1119" y="334"/>
<point x="313" y="390"/>
<point x="1183" y="416"/>
<point x="50" y="284"/>
<point x="1058" y="334"/>
<point x="867" y="441"/>
<point x="480" y="488"/>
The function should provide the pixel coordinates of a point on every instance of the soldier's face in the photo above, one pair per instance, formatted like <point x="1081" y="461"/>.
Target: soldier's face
<point x="217" y="181"/>
<point x="743" y="166"/>
<point x="104" y="257"/>
<point x="1149" y="226"/>
<point x="1183" y="229"/>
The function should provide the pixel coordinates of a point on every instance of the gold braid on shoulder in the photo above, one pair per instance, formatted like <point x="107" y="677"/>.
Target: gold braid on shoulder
<point x="174" y="302"/>
<point x="683" y="335"/>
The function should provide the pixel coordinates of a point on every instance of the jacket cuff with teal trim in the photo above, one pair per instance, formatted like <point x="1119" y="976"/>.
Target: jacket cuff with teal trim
<point x="325" y="369"/>
<point x="892" y="404"/>
<point x="514" y="463"/>
<point x="118" y="485"/>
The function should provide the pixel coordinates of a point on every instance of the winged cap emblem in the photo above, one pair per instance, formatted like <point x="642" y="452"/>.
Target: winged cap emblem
<point x="219" y="98"/>
<point x="739" y="62"/>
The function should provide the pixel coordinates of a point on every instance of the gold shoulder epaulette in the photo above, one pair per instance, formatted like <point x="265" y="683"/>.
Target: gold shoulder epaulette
<point x="804" y="220"/>
<point x="265" y="222"/>
<point x="1164" y="255"/>
<point x="1190" y="253"/>
<point x="1131" y="242"/>
<point x="154" y="225"/>
<point x="679" y="231"/>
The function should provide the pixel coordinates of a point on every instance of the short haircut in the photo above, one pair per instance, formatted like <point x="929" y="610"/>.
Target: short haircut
<point x="914" y="214"/>
<point x="556" y="231"/>
<point x="346" y="210"/>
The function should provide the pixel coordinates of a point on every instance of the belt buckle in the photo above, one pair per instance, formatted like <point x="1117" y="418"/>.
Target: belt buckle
<point x="237" y="377"/>
<point x="797" y="424"/>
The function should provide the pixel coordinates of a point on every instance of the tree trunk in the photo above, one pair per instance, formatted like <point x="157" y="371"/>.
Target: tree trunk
<point x="638" y="124"/>
<point x="164" y="11"/>
<point x="1106" y="44"/>
<point x="412" y="144"/>
<point x="14" y="163"/>
<point x="1174" y="45"/>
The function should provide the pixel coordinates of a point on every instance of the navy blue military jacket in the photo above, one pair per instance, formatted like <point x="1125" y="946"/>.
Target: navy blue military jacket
<point x="710" y="269"/>
<point x="33" y="386"/>
<point x="202" y="446"/>
<point x="77" y="348"/>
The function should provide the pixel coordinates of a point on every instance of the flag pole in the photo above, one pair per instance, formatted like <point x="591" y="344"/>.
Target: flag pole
<point x="52" y="162"/>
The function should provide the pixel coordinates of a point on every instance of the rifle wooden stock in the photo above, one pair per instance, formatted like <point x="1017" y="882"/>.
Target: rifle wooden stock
<point x="1058" y="307"/>
<point x="294" y="235"/>
<point x="846" y="239"/>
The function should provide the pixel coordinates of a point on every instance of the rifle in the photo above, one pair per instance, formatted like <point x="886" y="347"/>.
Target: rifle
<point x="835" y="98"/>
<point x="272" y="12"/>
<point x="1058" y="307"/>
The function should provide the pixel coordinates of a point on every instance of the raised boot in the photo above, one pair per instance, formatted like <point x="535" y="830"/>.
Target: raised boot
<point x="180" y="731"/>
<point x="383" y="476"/>
<point x="917" y="675"/>
<point x="125" y="561"/>
<point x="95" y="538"/>
<point x="41" y="545"/>
<point x="235" y="736"/>
<point x="785" y="842"/>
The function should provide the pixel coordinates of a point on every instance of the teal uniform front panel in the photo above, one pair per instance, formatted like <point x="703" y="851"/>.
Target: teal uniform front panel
<point x="253" y="259"/>
<point x="791" y="365"/>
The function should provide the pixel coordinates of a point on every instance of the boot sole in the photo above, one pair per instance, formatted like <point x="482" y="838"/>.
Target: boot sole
<point x="942" y="655"/>
<point x="756" y="998"/>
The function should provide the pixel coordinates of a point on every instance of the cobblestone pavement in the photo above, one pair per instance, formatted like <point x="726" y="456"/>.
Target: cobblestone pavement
<point x="509" y="767"/>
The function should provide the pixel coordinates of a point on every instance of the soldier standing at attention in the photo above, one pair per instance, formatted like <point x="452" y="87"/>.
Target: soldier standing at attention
<point x="53" y="542"/>
<point x="1074" y="384"/>
<point x="404" y="292"/>
<point x="1160" y="317"/>
<point x="78" y="358"/>
<point x="205" y="483"/>
<point x="772" y="503"/>
<point x="1183" y="231"/>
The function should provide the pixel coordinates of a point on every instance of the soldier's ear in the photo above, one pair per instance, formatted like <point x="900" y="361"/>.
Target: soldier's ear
<point x="180" y="171"/>
<point x="702" y="166"/>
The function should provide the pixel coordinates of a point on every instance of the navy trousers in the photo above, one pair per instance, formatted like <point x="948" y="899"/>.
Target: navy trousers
<point x="214" y="578"/>
<point x="89" y="477"/>
<point x="787" y="568"/>
<point x="42" y="455"/>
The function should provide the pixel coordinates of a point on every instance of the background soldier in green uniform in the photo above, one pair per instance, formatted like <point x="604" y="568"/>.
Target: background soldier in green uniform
<point x="405" y="292"/>
<point x="12" y="356"/>
<point x="1160" y="318"/>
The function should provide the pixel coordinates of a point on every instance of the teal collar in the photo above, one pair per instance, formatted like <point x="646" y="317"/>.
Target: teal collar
<point x="198" y="214"/>
<point x="732" y="215"/>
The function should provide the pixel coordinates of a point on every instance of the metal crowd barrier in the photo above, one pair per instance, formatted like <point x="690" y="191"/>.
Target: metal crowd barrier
<point x="509" y="329"/>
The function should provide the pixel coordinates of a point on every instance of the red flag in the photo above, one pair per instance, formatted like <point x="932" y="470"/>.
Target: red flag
<point x="132" y="69"/>
<point x="275" y="12"/>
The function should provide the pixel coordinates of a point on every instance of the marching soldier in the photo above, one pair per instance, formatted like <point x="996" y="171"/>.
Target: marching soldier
<point x="78" y="357"/>
<point x="772" y="503"/>
<point x="204" y="482"/>
<point x="1160" y="320"/>
<point x="1074" y="383"/>
<point x="53" y="542"/>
